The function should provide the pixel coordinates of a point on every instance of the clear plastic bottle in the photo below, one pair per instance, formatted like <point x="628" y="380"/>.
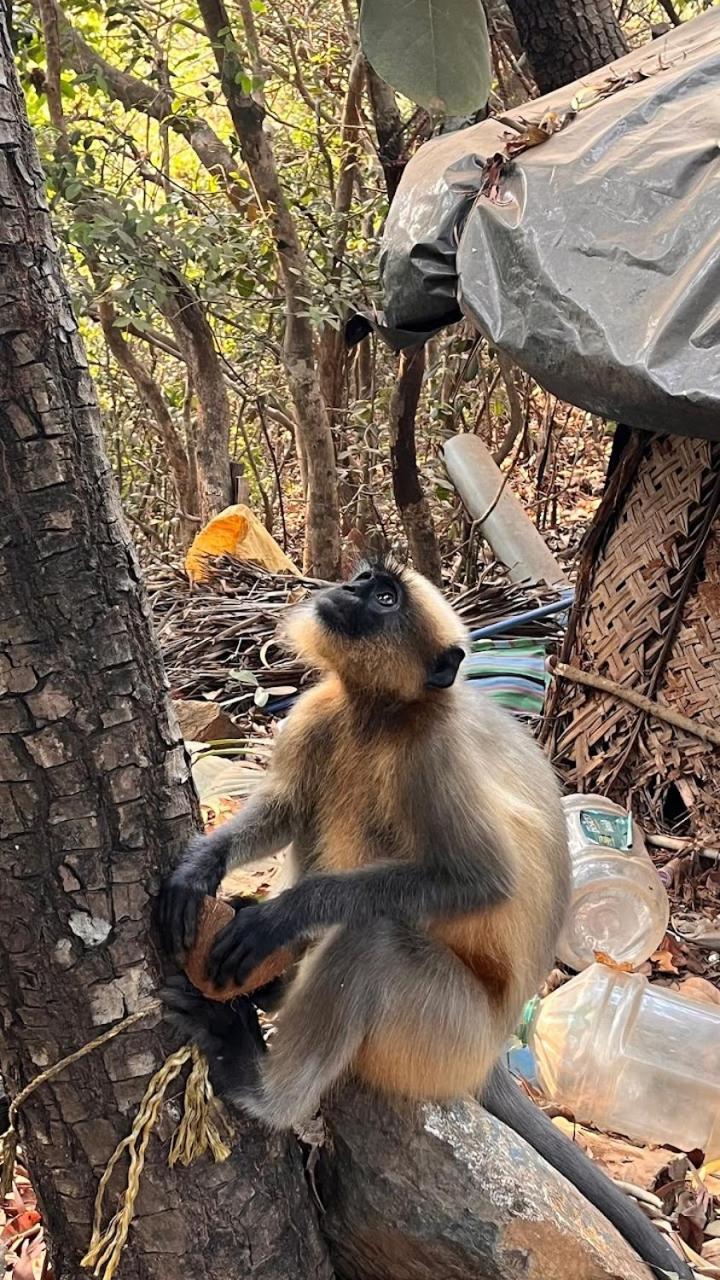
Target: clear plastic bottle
<point x="629" y="1057"/>
<point x="619" y="905"/>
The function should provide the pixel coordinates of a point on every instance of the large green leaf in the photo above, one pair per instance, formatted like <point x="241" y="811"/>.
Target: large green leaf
<point x="436" y="52"/>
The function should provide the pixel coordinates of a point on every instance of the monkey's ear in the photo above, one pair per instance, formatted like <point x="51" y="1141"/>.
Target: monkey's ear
<point x="445" y="668"/>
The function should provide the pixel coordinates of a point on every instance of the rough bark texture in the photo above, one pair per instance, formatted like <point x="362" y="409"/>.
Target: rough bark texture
<point x="389" y="130"/>
<point x="565" y="39"/>
<point x="95" y="801"/>
<point x="418" y="1193"/>
<point x="411" y="501"/>
<point x="322" y="523"/>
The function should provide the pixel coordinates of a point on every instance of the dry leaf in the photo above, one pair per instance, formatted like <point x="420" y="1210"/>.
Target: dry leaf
<point x="222" y="808"/>
<point x="494" y="170"/>
<point x="663" y="962"/>
<point x="620" y="1159"/>
<point x="534" y="134"/>
<point x="694" y="1206"/>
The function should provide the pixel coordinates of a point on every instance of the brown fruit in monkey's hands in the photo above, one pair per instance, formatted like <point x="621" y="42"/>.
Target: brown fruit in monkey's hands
<point x="214" y="916"/>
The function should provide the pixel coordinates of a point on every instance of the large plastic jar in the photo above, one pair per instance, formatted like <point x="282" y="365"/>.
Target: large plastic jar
<point x="618" y="905"/>
<point x="631" y="1058"/>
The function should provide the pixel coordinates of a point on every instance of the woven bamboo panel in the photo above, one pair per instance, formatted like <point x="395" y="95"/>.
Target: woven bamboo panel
<point x="630" y="608"/>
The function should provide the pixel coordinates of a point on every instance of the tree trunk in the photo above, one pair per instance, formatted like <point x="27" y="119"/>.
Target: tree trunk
<point x="411" y="501"/>
<point x="566" y="39"/>
<point x="196" y="341"/>
<point x="95" y="802"/>
<point x="322" y="518"/>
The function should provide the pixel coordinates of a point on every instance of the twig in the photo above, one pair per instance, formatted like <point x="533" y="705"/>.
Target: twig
<point x="276" y="469"/>
<point x="704" y="731"/>
<point x="682" y="844"/>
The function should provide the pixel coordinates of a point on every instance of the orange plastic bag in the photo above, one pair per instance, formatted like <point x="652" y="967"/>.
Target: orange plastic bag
<point x="236" y="531"/>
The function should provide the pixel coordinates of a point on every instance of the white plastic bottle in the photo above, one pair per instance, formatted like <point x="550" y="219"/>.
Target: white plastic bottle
<point x="631" y="1058"/>
<point x="619" y="905"/>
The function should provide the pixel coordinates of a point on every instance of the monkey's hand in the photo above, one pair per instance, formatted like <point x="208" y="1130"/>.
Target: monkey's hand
<point x="178" y="907"/>
<point x="228" y="1034"/>
<point x="247" y="940"/>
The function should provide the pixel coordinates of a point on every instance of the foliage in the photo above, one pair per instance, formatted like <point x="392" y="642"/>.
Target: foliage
<point x="133" y="202"/>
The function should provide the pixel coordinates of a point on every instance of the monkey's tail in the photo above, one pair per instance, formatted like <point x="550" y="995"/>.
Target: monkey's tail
<point x="503" y="1099"/>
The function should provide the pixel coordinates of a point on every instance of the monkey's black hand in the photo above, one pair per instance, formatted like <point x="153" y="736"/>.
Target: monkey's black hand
<point x="228" y="1034"/>
<point x="249" y="939"/>
<point x="199" y="873"/>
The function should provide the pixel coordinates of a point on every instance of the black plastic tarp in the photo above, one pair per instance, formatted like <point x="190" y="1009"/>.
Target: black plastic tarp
<point x="596" y="264"/>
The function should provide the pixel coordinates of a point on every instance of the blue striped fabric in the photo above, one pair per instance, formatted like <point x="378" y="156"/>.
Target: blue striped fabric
<point x="511" y="671"/>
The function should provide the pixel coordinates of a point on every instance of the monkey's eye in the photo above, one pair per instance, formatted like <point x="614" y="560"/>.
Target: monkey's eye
<point x="386" y="596"/>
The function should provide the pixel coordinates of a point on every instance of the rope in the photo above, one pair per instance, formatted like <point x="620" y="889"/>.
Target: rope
<point x="106" y="1246"/>
<point x="10" y="1138"/>
<point x="197" y="1131"/>
<point x="196" y="1134"/>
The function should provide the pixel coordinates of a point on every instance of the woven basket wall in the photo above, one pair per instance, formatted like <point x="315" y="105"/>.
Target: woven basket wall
<point x="631" y="609"/>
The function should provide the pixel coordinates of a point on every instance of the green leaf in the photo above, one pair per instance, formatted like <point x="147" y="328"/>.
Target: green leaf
<point x="244" y="80"/>
<point x="436" y="52"/>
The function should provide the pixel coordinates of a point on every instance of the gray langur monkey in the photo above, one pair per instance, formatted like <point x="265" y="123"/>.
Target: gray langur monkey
<point x="431" y="881"/>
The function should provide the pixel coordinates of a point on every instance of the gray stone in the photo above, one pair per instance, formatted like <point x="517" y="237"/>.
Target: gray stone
<point x="421" y="1192"/>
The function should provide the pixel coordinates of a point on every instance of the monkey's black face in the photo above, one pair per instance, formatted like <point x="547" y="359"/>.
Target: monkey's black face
<point x="370" y="603"/>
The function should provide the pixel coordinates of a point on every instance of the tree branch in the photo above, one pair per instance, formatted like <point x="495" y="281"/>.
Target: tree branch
<point x="153" y="398"/>
<point x="705" y="732"/>
<point x="135" y="94"/>
<point x="322" y="550"/>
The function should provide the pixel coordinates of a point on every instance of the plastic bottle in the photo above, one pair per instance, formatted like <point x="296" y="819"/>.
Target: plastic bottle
<point x="619" y="905"/>
<point x="631" y="1058"/>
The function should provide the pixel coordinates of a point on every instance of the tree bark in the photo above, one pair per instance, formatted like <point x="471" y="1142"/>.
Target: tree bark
<point x="389" y="130"/>
<point x="411" y="501"/>
<point x="95" y="802"/>
<point x="196" y="341"/>
<point x="566" y="39"/>
<point x="322" y="518"/>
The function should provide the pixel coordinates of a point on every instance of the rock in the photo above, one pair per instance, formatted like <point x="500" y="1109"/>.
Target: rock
<point x="203" y="721"/>
<point x="424" y="1191"/>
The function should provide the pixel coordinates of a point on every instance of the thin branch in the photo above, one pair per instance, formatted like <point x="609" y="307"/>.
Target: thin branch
<point x="136" y="94"/>
<point x="705" y="732"/>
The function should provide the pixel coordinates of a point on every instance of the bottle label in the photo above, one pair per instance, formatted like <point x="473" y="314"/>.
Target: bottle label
<point x="612" y="830"/>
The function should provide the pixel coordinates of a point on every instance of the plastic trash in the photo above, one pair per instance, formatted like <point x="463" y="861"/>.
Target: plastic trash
<point x="236" y="531"/>
<point x="503" y="521"/>
<point x="631" y="1058"/>
<point x="619" y="905"/>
